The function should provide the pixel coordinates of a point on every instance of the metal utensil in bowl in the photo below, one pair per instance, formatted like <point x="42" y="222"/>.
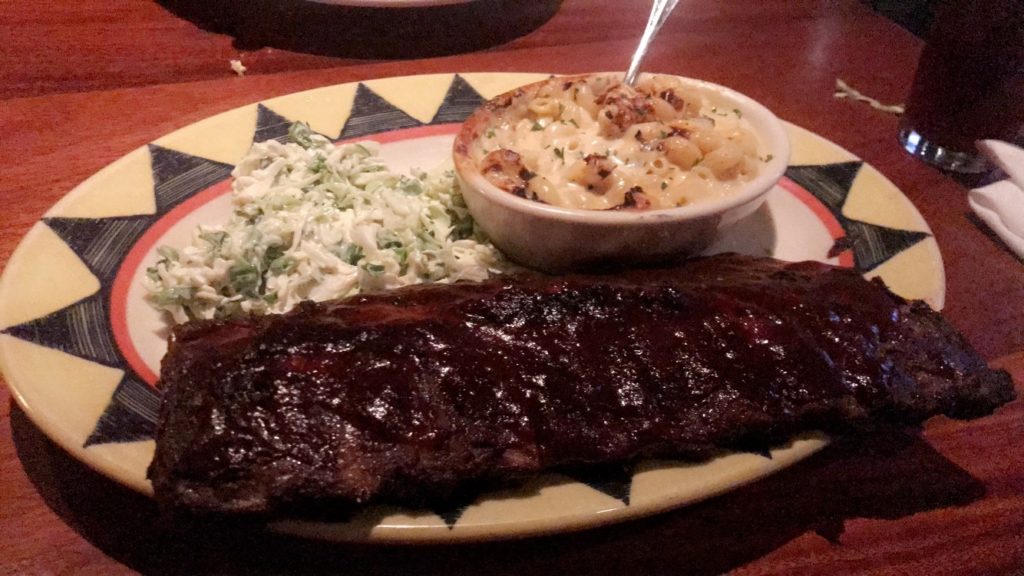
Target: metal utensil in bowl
<point x="659" y="13"/>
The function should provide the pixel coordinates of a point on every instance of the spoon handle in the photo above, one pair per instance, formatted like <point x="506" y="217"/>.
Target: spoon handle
<point x="659" y="13"/>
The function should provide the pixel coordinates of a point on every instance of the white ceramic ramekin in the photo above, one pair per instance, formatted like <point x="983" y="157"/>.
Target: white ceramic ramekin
<point x="555" y="239"/>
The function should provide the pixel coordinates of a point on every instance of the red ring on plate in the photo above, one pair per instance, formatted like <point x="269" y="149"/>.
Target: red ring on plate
<point x="835" y="229"/>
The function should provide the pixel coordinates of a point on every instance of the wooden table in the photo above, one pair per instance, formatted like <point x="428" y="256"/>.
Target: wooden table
<point x="83" y="83"/>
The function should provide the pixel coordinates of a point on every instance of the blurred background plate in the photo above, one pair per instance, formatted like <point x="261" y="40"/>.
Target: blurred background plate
<point x="368" y="28"/>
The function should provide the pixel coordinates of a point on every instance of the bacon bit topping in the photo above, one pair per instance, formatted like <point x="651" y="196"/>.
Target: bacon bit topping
<point x="504" y="168"/>
<point x="678" y="131"/>
<point x="625" y="109"/>
<point x="671" y="97"/>
<point x="601" y="164"/>
<point x="634" y="198"/>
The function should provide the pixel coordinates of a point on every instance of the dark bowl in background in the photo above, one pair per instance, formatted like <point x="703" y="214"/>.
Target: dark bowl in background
<point x="366" y="32"/>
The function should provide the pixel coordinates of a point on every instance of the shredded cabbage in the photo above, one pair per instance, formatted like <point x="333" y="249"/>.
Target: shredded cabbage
<point x="312" y="221"/>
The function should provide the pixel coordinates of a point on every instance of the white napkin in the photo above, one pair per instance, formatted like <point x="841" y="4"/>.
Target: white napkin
<point x="1001" y="204"/>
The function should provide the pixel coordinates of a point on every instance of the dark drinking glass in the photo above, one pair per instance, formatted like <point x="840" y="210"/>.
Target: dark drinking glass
<point x="969" y="84"/>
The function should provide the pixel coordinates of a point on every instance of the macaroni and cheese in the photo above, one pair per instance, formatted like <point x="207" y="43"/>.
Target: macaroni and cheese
<point x="595" y="143"/>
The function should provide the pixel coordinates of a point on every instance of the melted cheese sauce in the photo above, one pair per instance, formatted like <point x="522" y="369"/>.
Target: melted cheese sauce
<point x="594" y="143"/>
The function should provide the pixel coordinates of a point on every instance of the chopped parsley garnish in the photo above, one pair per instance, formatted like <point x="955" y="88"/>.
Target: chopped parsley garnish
<point x="270" y="256"/>
<point x="168" y="253"/>
<point x="301" y="134"/>
<point x="387" y="239"/>
<point x="319" y="164"/>
<point x="215" y="240"/>
<point x="536" y="126"/>
<point x="282" y="265"/>
<point x="174" y="295"/>
<point x="352" y="254"/>
<point x="245" y="279"/>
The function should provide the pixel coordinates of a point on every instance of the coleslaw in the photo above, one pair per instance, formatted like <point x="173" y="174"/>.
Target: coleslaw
<point x="315" y="221"/>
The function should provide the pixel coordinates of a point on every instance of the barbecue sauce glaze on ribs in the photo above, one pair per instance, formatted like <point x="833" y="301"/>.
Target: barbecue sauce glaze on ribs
<point x="409" y="396"/>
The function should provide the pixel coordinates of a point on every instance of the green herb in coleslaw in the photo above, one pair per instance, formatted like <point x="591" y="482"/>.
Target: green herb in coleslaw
<point x="312" y="221"/>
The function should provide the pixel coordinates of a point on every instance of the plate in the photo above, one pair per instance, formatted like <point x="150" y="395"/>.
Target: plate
<point x="80" y="349"/>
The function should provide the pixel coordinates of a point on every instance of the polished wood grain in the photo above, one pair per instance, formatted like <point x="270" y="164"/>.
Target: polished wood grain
<point x="83" y="83"/>
<point x="48" y="47"/>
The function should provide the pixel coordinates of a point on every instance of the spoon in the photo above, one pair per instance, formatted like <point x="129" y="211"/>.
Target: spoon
<point x="659" y="13"/>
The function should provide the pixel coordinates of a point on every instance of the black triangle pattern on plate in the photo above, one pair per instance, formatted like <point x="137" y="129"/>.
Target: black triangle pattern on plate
<point x="178" y="176"/>
<point x="372" y="114"/>
<point x="130" y="416"/>
<point x="83" y="329"/>
<point x="613" y="480"/>
<point x="829" y="183"/>
<point x="451" y="514"/>
<point x="460" y="101"/>
<point x="270" y="125"/>
<point x="872" y="245"/>
<point x="102" y="243"/>
<point x="80" y="329"/>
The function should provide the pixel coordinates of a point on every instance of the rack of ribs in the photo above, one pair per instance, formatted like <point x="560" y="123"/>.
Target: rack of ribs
<point x="411" y="396"/>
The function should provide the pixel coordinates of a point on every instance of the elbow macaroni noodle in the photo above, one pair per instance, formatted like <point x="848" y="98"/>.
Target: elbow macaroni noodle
<point x="594" y="143"/>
